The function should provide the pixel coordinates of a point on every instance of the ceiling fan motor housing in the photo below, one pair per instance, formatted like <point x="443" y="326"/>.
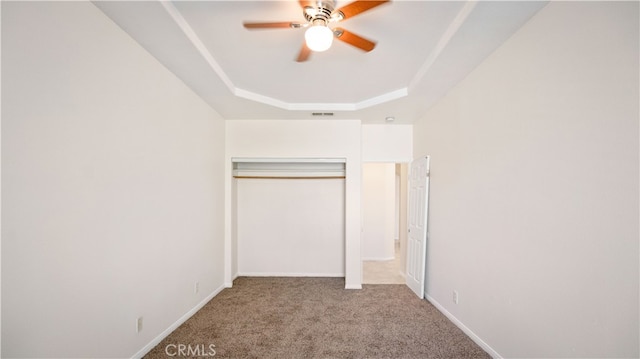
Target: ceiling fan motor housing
<point x="321" y="12"/>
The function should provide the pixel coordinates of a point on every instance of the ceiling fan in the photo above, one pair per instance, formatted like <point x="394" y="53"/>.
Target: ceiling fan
<point x="319" y="36"/>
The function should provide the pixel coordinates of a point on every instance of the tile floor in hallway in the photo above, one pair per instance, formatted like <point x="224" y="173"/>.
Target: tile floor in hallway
<point x="383" y="272"/>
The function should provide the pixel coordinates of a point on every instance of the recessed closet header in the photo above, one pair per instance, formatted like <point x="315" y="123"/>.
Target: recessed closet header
<point x="288" y="167"/>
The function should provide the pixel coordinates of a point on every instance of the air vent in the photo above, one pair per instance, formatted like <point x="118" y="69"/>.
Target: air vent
<point x="322" y="114"/>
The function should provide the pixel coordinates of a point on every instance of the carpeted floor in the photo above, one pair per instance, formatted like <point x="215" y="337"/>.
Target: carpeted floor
<point x="317" y="318"/>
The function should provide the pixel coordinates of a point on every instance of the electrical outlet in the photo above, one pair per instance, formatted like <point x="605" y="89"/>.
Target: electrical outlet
<point x="139" y="325"/>
<point x="455" y="296"/>
<point x="196" y="287"/>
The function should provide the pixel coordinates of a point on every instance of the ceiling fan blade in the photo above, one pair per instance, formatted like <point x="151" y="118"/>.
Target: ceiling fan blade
<point x="353" y="39"/>
<point x="304" y="53"/>
<point x="305" y="3"/>
<point x="358" y="7"/>
<point x="271" y="25"/>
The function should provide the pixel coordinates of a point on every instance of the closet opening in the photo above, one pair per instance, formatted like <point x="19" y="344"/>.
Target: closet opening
<point x="289" y="217"/>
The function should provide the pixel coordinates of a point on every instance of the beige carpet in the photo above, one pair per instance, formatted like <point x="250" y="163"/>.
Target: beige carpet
<point x="317" y="318"/>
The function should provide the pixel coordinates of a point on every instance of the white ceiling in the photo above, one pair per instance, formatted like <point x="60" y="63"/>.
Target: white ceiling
<point x="424" y="48"/>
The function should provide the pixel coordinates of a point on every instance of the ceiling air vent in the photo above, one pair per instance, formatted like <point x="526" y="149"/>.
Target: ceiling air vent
<point x="322" y="114"/>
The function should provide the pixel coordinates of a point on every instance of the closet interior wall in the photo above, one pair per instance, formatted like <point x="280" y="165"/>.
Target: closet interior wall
<point x="290" y="217"/>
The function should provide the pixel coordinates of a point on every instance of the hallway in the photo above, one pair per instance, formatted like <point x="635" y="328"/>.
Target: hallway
<point x="383" y="272"/>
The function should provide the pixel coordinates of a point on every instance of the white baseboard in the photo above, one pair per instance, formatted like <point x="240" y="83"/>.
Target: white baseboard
<point x="494" y="354"/>
<point x="230" y="284"/>
<point x="331" y="275"/>
<point x="147" y="348"/>
<point x="378" y="259"/>
<point x="287" y="274"/>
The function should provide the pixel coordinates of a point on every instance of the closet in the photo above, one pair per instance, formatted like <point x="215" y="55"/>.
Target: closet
<point x="290" y="216"/>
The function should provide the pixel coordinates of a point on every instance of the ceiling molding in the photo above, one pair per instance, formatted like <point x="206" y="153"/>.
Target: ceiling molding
<point x="403" y="79"/>
<point x="376" y="100"/>
<point x="453" y="28"/>
<point x="299" y="106"/>
<point x="197" y="43"/>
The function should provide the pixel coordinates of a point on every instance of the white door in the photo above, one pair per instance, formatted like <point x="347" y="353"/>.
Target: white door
<point x="418" y="209"/>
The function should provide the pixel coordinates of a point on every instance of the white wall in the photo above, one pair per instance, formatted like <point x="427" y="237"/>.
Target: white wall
<point x="387" y="143"/>
<point x="113" y="189"/>
<point x="290" y="227"/>
<point x="301" y="139"/>
<point x="534" y="188"/>
<point x="0" y="181"/>
<point x="378" y="211"/>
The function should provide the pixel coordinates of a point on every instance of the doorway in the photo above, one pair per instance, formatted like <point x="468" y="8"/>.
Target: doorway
<point x="384" y="228"/>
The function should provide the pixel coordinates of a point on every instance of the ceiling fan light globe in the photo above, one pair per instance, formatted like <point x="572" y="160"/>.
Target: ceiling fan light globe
<point x="318" y="38"/>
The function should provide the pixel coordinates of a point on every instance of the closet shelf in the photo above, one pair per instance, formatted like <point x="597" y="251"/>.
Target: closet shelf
<point x="302" y="168"/>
